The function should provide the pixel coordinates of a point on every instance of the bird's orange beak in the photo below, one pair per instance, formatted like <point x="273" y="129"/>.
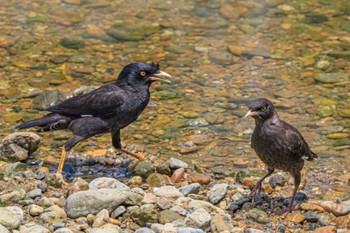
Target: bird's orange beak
<point x="251" y="113"/>
<point x="160" y="76"/>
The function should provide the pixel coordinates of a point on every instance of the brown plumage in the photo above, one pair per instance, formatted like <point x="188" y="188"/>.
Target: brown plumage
<point x="278" y="144"/>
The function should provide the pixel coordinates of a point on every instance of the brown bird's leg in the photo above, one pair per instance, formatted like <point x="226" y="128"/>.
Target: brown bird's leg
<point x="257" y="187"/>
<point x="297" y="180"/>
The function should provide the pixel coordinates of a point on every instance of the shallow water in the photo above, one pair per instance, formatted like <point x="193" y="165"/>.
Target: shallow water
<point x="221" y="55"/>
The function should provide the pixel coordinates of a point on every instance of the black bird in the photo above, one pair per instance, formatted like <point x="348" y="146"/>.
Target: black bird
<point x="278" y="144"/>
<point x="109" y="108"/>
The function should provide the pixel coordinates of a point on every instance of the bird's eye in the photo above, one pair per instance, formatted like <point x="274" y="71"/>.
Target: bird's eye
<point x="143" y="73"/>
<point x="263" y="108"/>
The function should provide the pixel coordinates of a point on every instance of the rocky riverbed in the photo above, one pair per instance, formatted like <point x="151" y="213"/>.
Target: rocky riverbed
<point x="162" y="196"/>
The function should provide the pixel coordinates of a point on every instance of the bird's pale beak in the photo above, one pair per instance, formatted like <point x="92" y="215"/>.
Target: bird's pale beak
<point x="160" y="76"/>
<point x="250" y="113"/>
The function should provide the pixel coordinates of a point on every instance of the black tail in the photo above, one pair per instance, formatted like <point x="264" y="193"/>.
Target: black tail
<point x="52" y="121"/>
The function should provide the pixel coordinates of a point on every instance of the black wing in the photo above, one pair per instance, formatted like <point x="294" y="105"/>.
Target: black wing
<point x="102" y="102"/>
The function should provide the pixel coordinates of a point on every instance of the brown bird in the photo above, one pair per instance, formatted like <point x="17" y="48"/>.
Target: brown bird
<point x="278" y="144"/>
<point x="109" y="108"/>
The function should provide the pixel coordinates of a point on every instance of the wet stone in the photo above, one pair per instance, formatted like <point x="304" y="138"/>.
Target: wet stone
<point x="72" y="43"/>
<point x="190" y="189"/>
<point x="330" y="78"/>
<point x="124" y="31"/>
<point x="277" y="179"/>
<point x="168" y="216"/>
<point x="156" y="180"/>
<point x="45" y="100"/>
<point x="258" y="216"/>
<point x="106" y="182"/>
<point x="198" y="122"/>
<point x="163" y="169"/>
<point x="325" y="111"/>
<point x="313" y="18"/>
<point x="216" y="193"/>
<point x="144" y="169"/>
<point x="175" y="163"/>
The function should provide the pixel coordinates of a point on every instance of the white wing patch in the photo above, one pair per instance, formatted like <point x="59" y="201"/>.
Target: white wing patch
<point x="86" y="116"/>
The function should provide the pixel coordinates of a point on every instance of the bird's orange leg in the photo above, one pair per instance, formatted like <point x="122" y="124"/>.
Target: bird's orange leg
<point x="61" y="164"/>
<point x="138" y="156"/>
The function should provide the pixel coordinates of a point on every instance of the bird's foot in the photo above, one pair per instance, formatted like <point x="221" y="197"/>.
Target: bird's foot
<point x="255" y="191"/>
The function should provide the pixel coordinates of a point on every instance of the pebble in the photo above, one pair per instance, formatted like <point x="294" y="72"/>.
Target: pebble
<point x="8" y="219"/>
<point x="144" y="169"/>
<point x="221" y="223"/>
<point x="278" y="179"/>
<point x="101" y="218"/>
<point x="118" y="211"/>
<point x="167" y="192"/>
<point x="63" y="230"/>
<point x="190" y="189"/>
<point x="175" y="163"/>
<point x="34" y="193"/>
<point x="33" y="227"/>
<point x="200" y="218"/>
<point x="106" y="182"/>
<point x="35" y="210"/>
<point x="144" y="230"/>
<point x="217" y="193"/>
<point x="16" y="211"/>
<point x="327" y="229"/>
<point x="258" y="216"/>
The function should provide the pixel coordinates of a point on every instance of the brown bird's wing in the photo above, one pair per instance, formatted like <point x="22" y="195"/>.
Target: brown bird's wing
<point x="103" y="102"/>
<point x="296" y="143"/>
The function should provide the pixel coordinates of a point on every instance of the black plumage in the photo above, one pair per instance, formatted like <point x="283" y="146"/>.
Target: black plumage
<point x="109" y="108"/>
<point x="277" y="143"/>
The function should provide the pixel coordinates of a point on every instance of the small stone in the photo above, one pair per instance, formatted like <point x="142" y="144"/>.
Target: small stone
<point x="163" y="169"/>
<point x="278" y="179"/>
<point x="167" y="192"/>
<point x="35" y="210"/>
<point x="252" y="230"/>
<point x="156" y="180"/>
<point x="168" y="216"/>
<point x="32" y="227"/>
<point x="330" y="78"/>
<point x="178" y="175"/>
<point x="200" y="218"/>
<point x="190" y="189"/>
<point x="12" y="195"/>
<point x="210" y="208"/>
<point x="199" y="178"/>
<point x="101" y="218"/>
<point x="47" y="99"/>
<point x="177" y="163"/>
<point x="189" y="230"/>
<point x="63" y="230"/>
<point x="327" y="229"/>
<point x="40" y="176"/>
<point x="311" y="207"/>
<point x="144" y="169"/>
<point x="311" y="217"/>
<point x="164" y="203"/>
<point x="106" y="182"/>
<point x="344" y="113"/>
<point x="34" y="193"/>
<point x="297" y="218"/>
<point x="325" y="111"/>
<point x="118" y="211"/>
<point x="314" y="18"/>
<point x="217" y="193"/>
<point x="4" y="229"/>
<point x="258" y="216"/>
<point x="72" y="43"/>
<point x="144" y="230"/>
<point x="8" y="219"/>
<point x="221" y="223"/>
<point x="198" y="122"/>
<point x="54" y="179"/>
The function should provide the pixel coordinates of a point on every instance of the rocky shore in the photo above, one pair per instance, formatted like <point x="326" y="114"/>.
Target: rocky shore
<point x="161" y="196"/>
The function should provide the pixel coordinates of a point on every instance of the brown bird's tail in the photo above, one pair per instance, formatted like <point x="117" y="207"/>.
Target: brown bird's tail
<point x="311" y="156"/>
<point x="49" y="122"/>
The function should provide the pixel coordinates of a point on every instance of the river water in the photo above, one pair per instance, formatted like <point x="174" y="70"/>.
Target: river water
<point x="221" y="54"/>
